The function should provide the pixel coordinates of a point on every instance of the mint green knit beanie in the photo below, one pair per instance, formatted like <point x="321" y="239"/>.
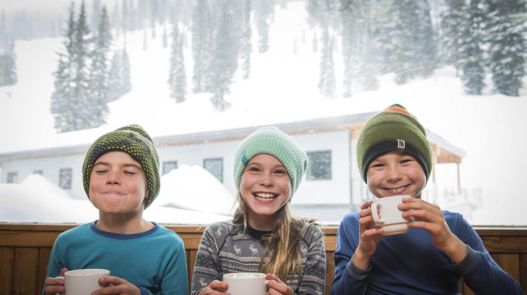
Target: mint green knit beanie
<point x="272" y="141"/>
<point x="393" y="129"/>
<point x="133" y="140"/>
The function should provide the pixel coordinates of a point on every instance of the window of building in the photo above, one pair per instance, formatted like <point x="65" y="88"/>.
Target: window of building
<point x="65" y="178"/>
<point x="12" y="177"/>
<point x="319" y="165"/>
<point x="169" y="166"/>
<point x="215" y="167"/>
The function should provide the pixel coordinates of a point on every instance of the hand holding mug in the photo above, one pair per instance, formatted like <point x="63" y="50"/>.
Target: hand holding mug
<point x="276" y="286"/>
<point x="430" y="218"/>
<point x="55" y="285"/>
<point x="215" y="287"/>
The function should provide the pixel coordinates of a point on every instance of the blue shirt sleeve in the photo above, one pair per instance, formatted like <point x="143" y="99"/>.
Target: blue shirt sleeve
<point x="479" y="271"/>
<point x="348" y="278"/>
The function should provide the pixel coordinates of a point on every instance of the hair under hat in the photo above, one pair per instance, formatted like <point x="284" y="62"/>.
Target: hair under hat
<point x="133" y="140"/>
<point x="274" y="142"/>
<point x="393" y="129"/>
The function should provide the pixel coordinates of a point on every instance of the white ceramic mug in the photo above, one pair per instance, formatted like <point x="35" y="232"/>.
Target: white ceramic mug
<point x="385" y="212"/>
<point x="245" y="283"/>
<point x="83" y="281"/>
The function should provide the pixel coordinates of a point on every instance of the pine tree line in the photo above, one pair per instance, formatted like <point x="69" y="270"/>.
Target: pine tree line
<point x="85" y="81"/>
<point x="478" y="37"/>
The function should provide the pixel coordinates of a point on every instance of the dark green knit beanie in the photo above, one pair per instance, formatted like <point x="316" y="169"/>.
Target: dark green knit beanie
<point x="133" y="140"/>
<point x="272" y="141"/>
<point x="393" y="129"/>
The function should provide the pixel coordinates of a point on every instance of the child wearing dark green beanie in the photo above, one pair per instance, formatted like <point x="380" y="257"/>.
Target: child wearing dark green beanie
<point x="440" y="247"/>
<point x="263" y="237"/>
<point x="121" y="178"/>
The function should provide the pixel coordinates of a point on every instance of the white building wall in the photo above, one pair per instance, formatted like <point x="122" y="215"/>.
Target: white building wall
<point x="50" y="168"/>
<point x="337" y="189"/>
<point x="334" y="191"/>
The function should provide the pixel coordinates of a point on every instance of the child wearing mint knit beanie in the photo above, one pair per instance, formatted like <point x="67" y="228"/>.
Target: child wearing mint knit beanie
<point x="263" y="236"/>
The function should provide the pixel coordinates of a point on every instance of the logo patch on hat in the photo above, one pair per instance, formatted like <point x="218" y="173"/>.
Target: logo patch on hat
<point x="401" y="145"/>
<point x="245" y="160"/>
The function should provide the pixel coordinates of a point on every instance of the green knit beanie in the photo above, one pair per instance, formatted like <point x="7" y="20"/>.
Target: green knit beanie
<point x="274" y="142"/>
<point x="133" y="140"/>
<point x="393" y="129"/>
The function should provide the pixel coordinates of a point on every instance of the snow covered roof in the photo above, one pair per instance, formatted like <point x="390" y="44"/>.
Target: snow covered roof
<point x="351" y="121"/>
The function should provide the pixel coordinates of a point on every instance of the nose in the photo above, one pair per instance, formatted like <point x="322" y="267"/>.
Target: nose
<point x="393" y="174"/>
<point x="267" y="180"/>
<point x="113" y="178"/>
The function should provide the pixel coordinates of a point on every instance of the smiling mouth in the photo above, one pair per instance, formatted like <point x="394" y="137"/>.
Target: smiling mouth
<point x="396" y="190"/>
<point x="265" y="196"/>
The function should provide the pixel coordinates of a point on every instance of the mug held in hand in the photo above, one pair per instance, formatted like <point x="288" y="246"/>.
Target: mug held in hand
<point x="245" y="283"/>
<point x="83" y="281"/>
<point x="385" y="212"/>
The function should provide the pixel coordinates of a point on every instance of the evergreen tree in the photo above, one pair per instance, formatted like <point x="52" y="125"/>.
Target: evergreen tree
<point x="507" y="45"/>
<point x="79" y="98"/>
<point x="264" y="11"/>
<point x="425" y="44"/>
<point x="82" y="50"/>
<point x="63" y="99"/>
<point x="471" y="59"/>
<point x="95" y="15"/>
<point x="326" y="82"/>
<point x="358" y="47"/>
<point x="406" y="17"/>
<point x="177" y="79"/>
<point x="100" y="69"/>
<point x="8" y="75"/>
<point x="245" y="39"/>
<point x="202" y="30"/>
<point x="452" y="20"/>
<point x="224" y="62"/>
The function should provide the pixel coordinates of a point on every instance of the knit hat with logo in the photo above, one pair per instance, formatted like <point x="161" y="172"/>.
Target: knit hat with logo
<point x="272" y="141"/>
<point x="393" y="129"/>
<point x="133" y="140"/>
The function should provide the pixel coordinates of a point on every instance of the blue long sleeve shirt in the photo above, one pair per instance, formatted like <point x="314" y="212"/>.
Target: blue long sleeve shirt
<point x="154" y="261"/>
<point x="410" y="264"/>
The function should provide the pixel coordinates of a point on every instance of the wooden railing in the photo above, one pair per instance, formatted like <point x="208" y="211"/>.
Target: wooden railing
<point x="25" y="248"/>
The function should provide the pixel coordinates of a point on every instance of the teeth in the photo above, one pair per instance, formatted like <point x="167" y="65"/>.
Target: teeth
<point x="265" y="195"/>
<point x="397" y="190"/>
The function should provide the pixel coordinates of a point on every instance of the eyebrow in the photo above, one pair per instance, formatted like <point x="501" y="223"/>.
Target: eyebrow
<point x="260" y="165"/>
<point x="127" y="165"/>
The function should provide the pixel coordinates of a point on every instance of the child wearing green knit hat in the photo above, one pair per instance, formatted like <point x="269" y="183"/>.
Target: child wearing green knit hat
<point x="263" y="237"/>
<point x="121" y="178"/>
<point x="440" y="247"/>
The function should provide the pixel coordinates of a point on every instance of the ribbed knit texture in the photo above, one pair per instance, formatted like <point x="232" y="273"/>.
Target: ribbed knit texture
<point x="392" y="124"/>
<point x="274" y="142"/>
<point x="133" y="140"/>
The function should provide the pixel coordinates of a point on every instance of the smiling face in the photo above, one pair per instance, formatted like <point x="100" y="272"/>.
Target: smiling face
<point x="265" y="187"/>
<point x="117" y="184"/>
<point x="395" y="173"/>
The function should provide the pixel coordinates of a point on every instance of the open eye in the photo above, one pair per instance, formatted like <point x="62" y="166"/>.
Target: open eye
<point x="253" y="169"/>
<point x="280" y="172"/>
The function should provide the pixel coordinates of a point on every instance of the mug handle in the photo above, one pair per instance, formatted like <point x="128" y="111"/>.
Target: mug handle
<point x="377" y="219"/>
